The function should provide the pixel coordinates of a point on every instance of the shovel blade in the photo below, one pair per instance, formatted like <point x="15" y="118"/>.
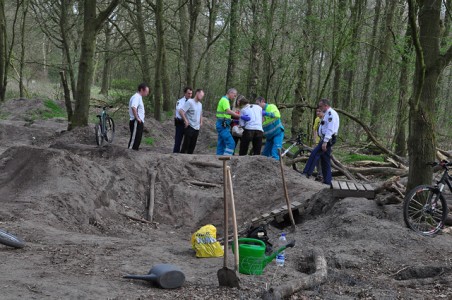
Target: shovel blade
<point x="227" y="277"/>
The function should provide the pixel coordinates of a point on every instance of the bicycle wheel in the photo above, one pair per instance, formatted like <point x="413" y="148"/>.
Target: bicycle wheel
<point x="99" y="135"/>
<point x="8" y="239"/>
<point x="425" y="210"/>
<point x="300" y="158"/>
<point x="109" y="129"/>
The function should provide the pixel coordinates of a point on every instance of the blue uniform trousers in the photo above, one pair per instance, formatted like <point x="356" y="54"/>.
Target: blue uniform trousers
<point x="325" y="158"/>
<point x="180" y="128"/>
<point x="225" y="144"/>
<point x="273" y="143"/>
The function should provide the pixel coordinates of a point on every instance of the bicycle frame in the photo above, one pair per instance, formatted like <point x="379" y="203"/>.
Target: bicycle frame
<point x="103" y="120"/>
<point x="295" y="143"/>
<point x="445" y="180"/>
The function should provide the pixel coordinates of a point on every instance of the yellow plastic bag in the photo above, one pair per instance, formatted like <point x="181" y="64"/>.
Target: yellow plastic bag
<point x="204" y="241"/>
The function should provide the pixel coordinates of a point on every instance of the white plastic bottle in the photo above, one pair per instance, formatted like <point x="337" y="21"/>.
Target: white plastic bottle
<point x="280" y="258"/>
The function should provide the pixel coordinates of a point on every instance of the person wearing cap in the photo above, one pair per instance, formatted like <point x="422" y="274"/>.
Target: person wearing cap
<point x="225" y="143"/>
<point x="178" y="120"/>
<point x="328" y="131"/>
<point x="273" y="128"/>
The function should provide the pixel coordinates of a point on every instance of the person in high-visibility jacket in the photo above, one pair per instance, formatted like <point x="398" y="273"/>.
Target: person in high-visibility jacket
<point x="273" y="128"/>
<point x="225" y="144"/>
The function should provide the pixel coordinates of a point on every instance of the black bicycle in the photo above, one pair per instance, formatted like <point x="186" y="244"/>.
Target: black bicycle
<point x="297" y="150"/>
<point x="11" y="240"/>
<point x="425" y="208"/>
<point x="105" y="129"/>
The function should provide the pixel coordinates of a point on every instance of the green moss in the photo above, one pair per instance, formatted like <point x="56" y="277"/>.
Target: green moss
<point x="149" y="141"/>
<point x="52" y="110"/>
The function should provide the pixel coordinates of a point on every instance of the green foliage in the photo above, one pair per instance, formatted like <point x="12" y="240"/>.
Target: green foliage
<point x="123" y="84"/>
<point x="53" y="110"/>
<point x="149" y="140"/>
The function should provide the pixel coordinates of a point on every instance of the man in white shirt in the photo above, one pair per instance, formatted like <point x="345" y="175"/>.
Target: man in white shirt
<point x="136" y="113"/>
<point x="191" y="113"/>
<point x="178" y="121"/>
<point x="251" y="122"/>
<point x="328" y="131"/>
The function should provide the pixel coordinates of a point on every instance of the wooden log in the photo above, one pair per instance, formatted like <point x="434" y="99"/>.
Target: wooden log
<point x="371" y="163"/>
<point x="379" y="171"/>
<point x="339" y="166"/>
<point x="205" y="164"/>
<point x="203" y="184"/>
<point x="303" y="282"/>
<point x="362" y="177"/>
<point x="136" y="218"/>
<point x="152" y="196"/>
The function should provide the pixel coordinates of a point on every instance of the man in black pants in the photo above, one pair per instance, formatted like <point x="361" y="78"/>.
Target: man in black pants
<point x="136" y="113"/>
<point x="191" y="113"/>
<point x="178" y="121"/>
<point x="251" y="122"/>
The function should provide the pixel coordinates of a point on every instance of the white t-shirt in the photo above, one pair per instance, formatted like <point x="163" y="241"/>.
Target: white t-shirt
<point x="179" y="104"/>
<point x="254" y="111"/>
<point x="193" y="112"/>
<point x="137" y="102"/>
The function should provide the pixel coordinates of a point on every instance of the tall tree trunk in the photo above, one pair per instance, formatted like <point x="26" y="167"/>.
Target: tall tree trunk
<point x="370" y="61"/>
<point x="68" y="66"/>
<point x="338" y="35"/>
<point x="231" y="74"/>
<point x="167" y="103"/>
<point x="400" y="131"/>
<point x="22" y="48"/>
<point x="144" y="55"/>
<point x="158" y="60"/>
<point x="105" y="85"/>
<point x="267" y="46"/>
<point x="380" y="99"/>
<point x="193" y="11"/>
<point x="91" y="26"/>
<point x="212" y="6"/>
<point x="3" y="52"/>
<point x="253" y="68"/>
<point x="183" y="33"/>
<point x="429" y="65"/>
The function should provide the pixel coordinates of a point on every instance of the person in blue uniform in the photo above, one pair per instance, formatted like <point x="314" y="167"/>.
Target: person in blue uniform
<point x="328" y="130"/>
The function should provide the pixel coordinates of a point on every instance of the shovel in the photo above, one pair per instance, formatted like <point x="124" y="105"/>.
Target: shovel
<point x="234" y="221"/>
<point x="226" y="277"/>
<point x="286" y="194"/>
<point x="165" y="276"/>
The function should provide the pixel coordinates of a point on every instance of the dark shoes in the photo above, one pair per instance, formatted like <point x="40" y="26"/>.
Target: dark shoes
<point x="319" y="178"/>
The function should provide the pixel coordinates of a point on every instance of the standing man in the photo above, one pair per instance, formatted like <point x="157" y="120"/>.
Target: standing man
<point x="328" y="131"/>
<point x="273" y="128"/>
<point x="251" y="122"/>
<point x="316" y="136"/>
<point x="225" y="144"/>
<point x="178" y="121"/>
<point x="191" y="113"/>
<point x="136" y="113"/>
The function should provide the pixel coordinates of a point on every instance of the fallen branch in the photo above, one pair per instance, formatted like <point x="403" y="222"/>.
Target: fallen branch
<point x="339" y="166"/>
<point x="304" y="282"/>
<point x="362" y="177"/>
<point x="206" y="164"/>
<point x="372" y="137"/>
<point x="136" y="218"/>
<point x="379" y="171"/>
<point x="443" y="152"/>
<point x="371" y="163"/>
<point x="203" y="184"/>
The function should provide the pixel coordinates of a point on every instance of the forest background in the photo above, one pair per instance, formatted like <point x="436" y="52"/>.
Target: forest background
<point x="385" y="64"/>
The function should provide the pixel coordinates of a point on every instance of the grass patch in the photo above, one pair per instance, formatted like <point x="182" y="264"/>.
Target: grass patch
<point x="149" y="141"/>
<point x="52" y="110"/>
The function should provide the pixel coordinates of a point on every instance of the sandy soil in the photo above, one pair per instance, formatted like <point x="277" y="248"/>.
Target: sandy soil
<point x="69" y="200"/>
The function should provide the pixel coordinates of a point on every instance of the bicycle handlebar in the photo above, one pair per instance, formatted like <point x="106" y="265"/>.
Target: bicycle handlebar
<point x="103" y="107"/>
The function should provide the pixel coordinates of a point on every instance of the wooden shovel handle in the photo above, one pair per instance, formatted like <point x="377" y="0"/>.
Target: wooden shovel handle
<point x="234" y="221"/>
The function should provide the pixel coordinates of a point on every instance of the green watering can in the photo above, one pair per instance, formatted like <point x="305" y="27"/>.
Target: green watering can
<point x="252" y="259"/>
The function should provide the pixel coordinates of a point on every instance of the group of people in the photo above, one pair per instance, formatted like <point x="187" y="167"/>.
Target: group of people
<point x="247" y="122"/>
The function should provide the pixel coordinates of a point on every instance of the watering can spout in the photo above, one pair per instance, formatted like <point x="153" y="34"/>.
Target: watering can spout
<point x="270" y="258"/>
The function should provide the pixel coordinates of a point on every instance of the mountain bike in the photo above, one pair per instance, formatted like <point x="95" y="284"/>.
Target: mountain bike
<point x="11" y="240"/>
<point x="297" y="150"/>
<point x="425" y="208"/>
<point x="105" y="129"/>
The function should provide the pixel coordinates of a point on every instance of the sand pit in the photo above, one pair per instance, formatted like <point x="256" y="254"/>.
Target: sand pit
<point x="70" y="199"/>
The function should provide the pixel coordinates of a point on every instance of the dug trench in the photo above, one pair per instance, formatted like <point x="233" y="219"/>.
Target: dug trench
<point x="79" y="207"/>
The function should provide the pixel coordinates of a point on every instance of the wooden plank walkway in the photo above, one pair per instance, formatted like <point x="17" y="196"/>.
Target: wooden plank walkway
<point x="277" y="214"/>
<point x="343" y="189"/>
